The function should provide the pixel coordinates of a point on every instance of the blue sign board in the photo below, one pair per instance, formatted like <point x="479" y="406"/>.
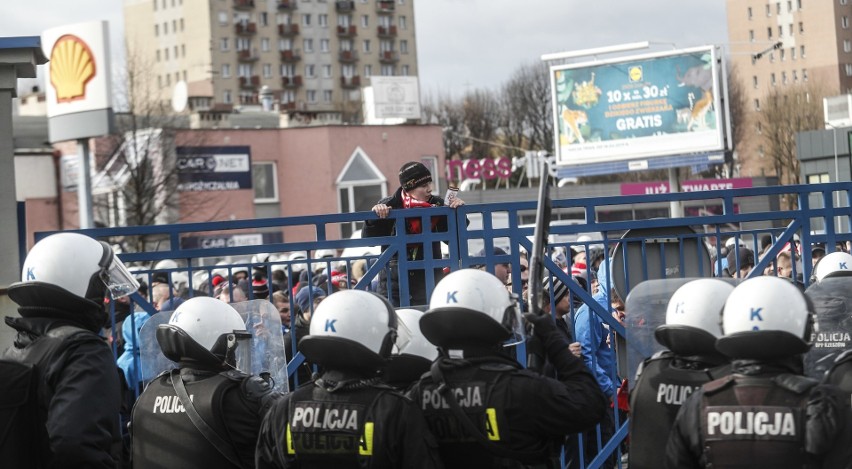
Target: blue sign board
<point x="213" y="168"/>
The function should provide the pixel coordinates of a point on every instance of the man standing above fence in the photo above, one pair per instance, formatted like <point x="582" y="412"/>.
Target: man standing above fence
<point x="415" y="192"/>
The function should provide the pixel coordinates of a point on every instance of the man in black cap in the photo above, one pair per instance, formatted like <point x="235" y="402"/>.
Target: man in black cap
<point x="740" y="262"/>
<point x="415" y="192"/>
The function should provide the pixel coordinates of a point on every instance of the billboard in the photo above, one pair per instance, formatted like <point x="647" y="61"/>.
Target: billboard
<point x="78" y="91"/>
<point x="395" y="97"/>
<point x="213" y="168"/>
<point x="644" y="106"/>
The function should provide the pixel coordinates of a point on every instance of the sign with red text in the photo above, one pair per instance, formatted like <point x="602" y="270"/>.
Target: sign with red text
<point x="484" y="168"/>
<point x="662" y="187"/>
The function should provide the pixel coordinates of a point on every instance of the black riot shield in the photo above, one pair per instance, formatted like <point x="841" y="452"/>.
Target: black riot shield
<point x="832" y="300"/>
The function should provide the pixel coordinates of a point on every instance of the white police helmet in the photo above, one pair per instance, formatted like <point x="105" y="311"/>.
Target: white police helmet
<point x="836" y="264"/>
<point x="766" y="317"/>
<point x="351" y="329"/>
<point x="693" y="316"/>
<point x="202" y="329"/>
<point x="70" y="267"/>
<point x="471" y="307"/>
<point x="410" y="340"/>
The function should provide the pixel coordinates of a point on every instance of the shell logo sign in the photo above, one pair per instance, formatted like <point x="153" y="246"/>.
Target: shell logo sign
<point x="72" y="66"/>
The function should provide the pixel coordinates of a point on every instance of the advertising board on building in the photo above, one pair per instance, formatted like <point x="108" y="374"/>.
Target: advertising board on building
<point x="78" y="90"/>
<point x="396" y="97"/>
<point x="644" y="106"/>
<point x="213" y="168"/>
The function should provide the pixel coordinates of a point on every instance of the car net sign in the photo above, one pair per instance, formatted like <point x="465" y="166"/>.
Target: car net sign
<point x="660" y="104"/>
<point x="213" y="168"/>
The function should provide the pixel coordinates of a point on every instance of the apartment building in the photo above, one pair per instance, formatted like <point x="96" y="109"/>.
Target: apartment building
<point x="309" y="55"/>
<point x="782" y="43"/>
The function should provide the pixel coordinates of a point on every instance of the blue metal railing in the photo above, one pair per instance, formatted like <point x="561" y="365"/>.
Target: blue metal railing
<point x="697" y="239"/>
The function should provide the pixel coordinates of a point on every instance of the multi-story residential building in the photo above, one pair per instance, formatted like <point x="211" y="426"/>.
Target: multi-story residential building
<point x="312" y="55"/>
<point x="775" y="44"/>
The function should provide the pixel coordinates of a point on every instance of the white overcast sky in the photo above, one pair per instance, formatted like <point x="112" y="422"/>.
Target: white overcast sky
<point x="467" y="44"/>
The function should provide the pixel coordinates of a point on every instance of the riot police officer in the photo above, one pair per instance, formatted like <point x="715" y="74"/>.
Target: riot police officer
<point x="60" y="386"/>
<point x="836" y="264"/>
<point x="766" y="413"/>
<point x="347" y="417"/>
<point x="413" y="354"/>
<point x="205" y="414"/>
<point x="665" y="380"/>
<point x="485" y="410"/>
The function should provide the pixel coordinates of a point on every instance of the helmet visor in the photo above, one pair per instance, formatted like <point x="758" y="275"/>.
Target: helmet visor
<point x="514" y="324"/>
<point x="403" y="337"/>
<point x="117" y="279"/>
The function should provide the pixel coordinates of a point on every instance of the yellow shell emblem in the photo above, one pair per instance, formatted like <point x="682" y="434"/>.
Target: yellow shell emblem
<point x="72" y="66"/>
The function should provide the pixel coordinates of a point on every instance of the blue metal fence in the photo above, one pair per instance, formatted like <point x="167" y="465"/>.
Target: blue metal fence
<point x="635" y="250"/>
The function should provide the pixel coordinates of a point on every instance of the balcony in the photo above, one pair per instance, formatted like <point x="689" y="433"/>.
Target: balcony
<point x="348" y="56"/>
<point x="343" y="6"/>
<point x="347" y="31"/>
<point x="385" y="7"/>
<point x="247" y="55"/>
<point x="290" y="106"/>
<point x="387" y="31"/>
<point x="288" y="29"/>
<point x="243" y="4"/>
<point x="250" y="82"/>
<point x="245" y="29"/>
<point x="389" y="57"/>
<point x="291" y="82"/>
<point x="350" y="82"/>
<point x="286" y="5"/>
<point x="246" y="99"/>
<point x="291" y="55"/>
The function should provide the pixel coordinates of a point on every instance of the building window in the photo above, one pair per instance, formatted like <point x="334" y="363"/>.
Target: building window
<point x="311" y="96"/>
<point x="405" y="71"/>
<point x="226" y="70"/>
<point x="783" y="54"/>
<point x="754" y="81"/>
<point x="264" y="18"/>
<point x="368" y="70"/>
<point x="801" y="27"/>
<point x="365" y="45"/>
<point x="795" y="76"/>
<point x="387" y="70"/>
<point x="244" y="70"/>
<point x="326" y="71"/>
<point x="223" y="18"/>
<point x="403" y="46"/>
<point x="155" y="5"/>
<point x="783" y="78"/>
<point x="158" y="55"/>
<point x="799" y="4"/>
<point x="365" y="21"/>
<point x="772" y="56"/>
<point x="265" y="182"/>
<point x="848" y="70"/>
<point x="768" y="10"/>
<point x="403" y="23"/>
<point x="166" y="53"/>
<point x="326" y="96"/>
<point x="756" y="104"/>
<point x="789" y="6"/>
<point x="183" y="50"/>
<point x="174" y="26"/>
<point x="347" y="70"/>
<point x="847" y="45"/>
<point x="778" y="8"/>
<point x="288" y="70"/>
<point x="264" y="44"/>
<point x="802" y="51"/>
<point x="323" y="45"/>
<point x="820" y="178"/>
<point x="844" y="22"/>
<point x="322" y="20"/>
<point x="843" y="2"/>
<point x="793" y="53"/>
<point x="309" y="70"/>
<point x="780" y="31"/>
<point x="749" y="13"/>
<point x="751" y="35"/>
<point x="181" y="25"/>
<point x="769" y="32"/>
<point x="306" y="20"/>
<point x="267" y="70"/>
<point x="223" y="43"/>
<point x="759" y="128"/>
<point x="772" y="78"/>
<point x="226" y="96"/>
<point x="308" y="45"/>
<point x="790" y="29"/>
<point x="804" y="74"/>
<point x="176" y="52"/>
<point x="156" y="30"/>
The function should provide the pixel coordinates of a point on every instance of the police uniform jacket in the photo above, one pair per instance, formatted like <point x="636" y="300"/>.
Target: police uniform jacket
<point x="78" y="395"/>
<point x="516" y="409"/>
<point x="231" y="403"/>
<point x="760" y="416"/>
<point x="366" y="425"/>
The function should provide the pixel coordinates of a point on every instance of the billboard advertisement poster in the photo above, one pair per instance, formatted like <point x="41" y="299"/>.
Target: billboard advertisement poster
<point x="644" y="106"/>
<point x="213" y="168"/>
<point x="396" y="97"/>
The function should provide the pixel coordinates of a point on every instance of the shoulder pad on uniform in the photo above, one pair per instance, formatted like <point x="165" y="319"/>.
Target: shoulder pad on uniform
<point x="497" y="367"/>
<point x="797" y="383"/>
<point x="845" y="356"/>
<point x="718" y="385"/>
<point x="662" y="354"/>
<point x="255" y="387"/>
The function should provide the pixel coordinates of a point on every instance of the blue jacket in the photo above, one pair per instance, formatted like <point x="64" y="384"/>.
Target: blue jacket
<point x="592" y="335"/>
<point x="129" y="360"/>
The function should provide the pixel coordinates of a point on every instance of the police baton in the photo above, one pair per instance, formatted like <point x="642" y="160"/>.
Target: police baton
<point x="542" y="227"/>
